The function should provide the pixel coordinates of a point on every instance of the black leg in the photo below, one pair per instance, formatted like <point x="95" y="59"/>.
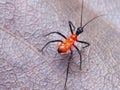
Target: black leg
<point x="71" y="25"/>
<point x="87" y="44"/>
<point x="80" y="56"/>
<point x="56" y="33"/>
<point x="50" y="42"/>
<point x="68" y="65"/>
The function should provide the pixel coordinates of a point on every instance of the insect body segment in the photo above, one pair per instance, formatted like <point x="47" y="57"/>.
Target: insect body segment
<point x="67" y="44"/>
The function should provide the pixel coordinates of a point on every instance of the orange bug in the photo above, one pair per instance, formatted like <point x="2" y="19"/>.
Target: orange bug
<point x="69" y="41"/>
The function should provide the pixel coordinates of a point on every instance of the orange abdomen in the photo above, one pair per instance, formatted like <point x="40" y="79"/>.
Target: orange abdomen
<point x="67" y="44"/>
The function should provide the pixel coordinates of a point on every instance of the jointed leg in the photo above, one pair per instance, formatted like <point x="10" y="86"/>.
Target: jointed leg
<point x="49" y="43"/>
<point x="71" y="25"/>
<point x="69" y="60"/>
<point x="56" y="33"/>
<point x="87" y="44"/>
<point x="80" y="56"/>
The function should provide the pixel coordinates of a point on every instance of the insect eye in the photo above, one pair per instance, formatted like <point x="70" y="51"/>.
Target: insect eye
<point x="79" y="30"/>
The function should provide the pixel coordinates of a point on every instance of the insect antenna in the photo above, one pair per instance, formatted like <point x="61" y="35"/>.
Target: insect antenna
<point x="93" y="19"/>
<point x="90" y="19"/>
<point x="81" y="14"/>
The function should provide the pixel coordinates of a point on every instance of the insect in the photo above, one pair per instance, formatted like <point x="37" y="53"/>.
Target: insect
<point x="69" y="41"/>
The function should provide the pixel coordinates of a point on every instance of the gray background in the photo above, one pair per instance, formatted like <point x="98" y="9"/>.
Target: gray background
<point x="23" y="24"/>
